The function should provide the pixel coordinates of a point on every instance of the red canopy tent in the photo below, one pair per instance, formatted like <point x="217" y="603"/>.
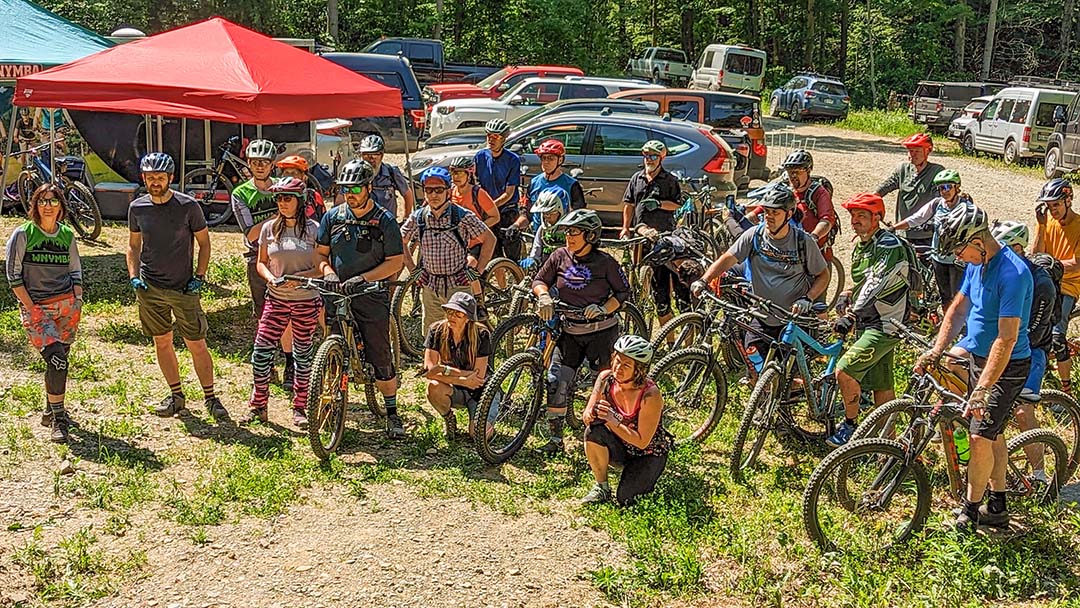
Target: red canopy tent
<point x="213" y="70"/>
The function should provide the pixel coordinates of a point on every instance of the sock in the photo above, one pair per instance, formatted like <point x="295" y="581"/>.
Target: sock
<point x="996" y="504"/>
<point x="850" y="421"/>
<point x="605" y="485"/>
<point x="391" y="404"/>
<point x="288" y="360"/>
<point x="208" y="392"/>
<point x="177" y="389"/>
<point x="56" y="407"/>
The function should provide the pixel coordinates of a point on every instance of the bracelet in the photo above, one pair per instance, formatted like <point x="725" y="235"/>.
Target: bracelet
<point x="445" y="370"/>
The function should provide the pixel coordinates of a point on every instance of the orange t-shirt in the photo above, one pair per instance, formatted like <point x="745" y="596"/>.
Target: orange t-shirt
<point x="1063" y="242"/>
<point x="475" y="199"/>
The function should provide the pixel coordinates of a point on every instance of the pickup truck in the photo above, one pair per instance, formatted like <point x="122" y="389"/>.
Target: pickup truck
<point x="428" y="62"/>
<point x="662" y="66"/>
<point x="495" y="85"/>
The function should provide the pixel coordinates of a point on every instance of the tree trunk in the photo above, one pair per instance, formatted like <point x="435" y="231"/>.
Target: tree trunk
<point x="1066" y="31"/>
<point x="845" y="18"/>
<point x="809" y="37"/>
<point x="438" y="20"/>
<point x="988" y="48"/>
<point x="873" y="66"/>
<point x="459" y="21"/>
<point x="332" y="19"/>
<point x="961" y="37"/>
<point x="752" y="23"/>
<point x="688" y="33"/>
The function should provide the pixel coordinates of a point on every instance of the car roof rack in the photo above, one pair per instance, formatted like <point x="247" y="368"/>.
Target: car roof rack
<point x="1043" y="83"/>
<point x="602" y="79"/>
<point x="817" y="75"/>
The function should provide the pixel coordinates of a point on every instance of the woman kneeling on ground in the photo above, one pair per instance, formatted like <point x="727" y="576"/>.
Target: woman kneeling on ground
<point x="623" y="425"/>
<point x="456" y="355"/>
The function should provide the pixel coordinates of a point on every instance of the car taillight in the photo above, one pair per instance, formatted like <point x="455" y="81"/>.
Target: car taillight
<point x="760" y="149"/>
<point x="847" y="99"/>
<point x="1027" y="134"/>
<point x="911" y="104"/>
<point x="742" y="150"/>
<point x="719" y="163"/>
<point x="444" y="110"/>
<point x="418" y="118"/>
<point x="809" y="94"/>
<point x="938" y="106"/>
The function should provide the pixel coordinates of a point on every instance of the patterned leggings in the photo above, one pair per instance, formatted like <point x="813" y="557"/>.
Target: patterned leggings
<point x="276" y="316"/>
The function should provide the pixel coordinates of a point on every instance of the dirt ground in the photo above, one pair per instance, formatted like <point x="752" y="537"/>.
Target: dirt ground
<point x="394" y="545"/>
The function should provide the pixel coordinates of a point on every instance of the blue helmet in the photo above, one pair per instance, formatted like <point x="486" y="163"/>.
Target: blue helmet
<point x="439" y="173"/>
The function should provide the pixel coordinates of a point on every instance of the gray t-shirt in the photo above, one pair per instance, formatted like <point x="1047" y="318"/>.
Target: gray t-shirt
<point x="291" y="254"/>
<point x="778" y="272"/>
<point x="168" y="238"/>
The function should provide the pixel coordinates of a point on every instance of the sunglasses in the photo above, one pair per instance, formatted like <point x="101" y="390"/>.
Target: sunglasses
<point x="946" y="186"/>
<point x="285" y="197"/>
<point x="574" y="231"/>
<point x="49" y="202"/>
<point x="352" y="189"/>
<point x="544" y="157"/>
<point x="259" y="162"/>
<point x="651" y="156"/>
<point x="434" y="189"/>
<point x="959" y="250"/>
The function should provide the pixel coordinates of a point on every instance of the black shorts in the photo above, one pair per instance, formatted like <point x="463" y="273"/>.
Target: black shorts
<point x="1002" y="396"/>
<point x="640" y="473"/>
<point x="663" y="282"/>
<point x="573" y="350"/>
<point x="372" y="314"/>
<point x="763" y="345"/>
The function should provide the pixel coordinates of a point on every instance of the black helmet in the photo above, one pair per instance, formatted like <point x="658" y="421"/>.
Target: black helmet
<point x="372" y="143"/>
<point x="585" y="219"/>
<point x="356" y="172"/>
<point x="464" y="163"/>
<point x="778" y="197"/>
<point x="157" y="162"/>
<point x="1055" y="190"/>
<point x="799" y="159"/>
<point x="1051" y="265"/>
<point x="959" y="226"/>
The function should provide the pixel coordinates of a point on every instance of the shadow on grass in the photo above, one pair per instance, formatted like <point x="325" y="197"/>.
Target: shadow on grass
<point x="227" y="432"/>
<point x="100" y="448"/>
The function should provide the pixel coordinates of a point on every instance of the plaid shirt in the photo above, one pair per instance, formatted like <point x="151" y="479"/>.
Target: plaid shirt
<point x="442" y="258"/>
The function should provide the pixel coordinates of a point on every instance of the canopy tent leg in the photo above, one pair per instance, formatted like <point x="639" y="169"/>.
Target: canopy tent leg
<point x="7" y="150"/>
<point x="207" y="151"/>
<point x="147" y="127"/>
<point x="183" y="149"/>
<point x="52" y="143"/>
<point x="405" y="140"/>
<point x="160" y="134"/>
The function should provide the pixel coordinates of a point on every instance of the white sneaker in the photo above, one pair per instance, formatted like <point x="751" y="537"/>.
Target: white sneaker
<point x="1029" y="395"/>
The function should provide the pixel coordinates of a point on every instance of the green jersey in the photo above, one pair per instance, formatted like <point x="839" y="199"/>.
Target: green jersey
<point x="879" y="269"/>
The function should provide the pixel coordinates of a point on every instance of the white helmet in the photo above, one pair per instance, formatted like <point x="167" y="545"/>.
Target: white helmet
<point x="1011" y="233"/>
<point x="546" y="202"/>
<point x="261" y="148"/>
<point x="635" y="347"/>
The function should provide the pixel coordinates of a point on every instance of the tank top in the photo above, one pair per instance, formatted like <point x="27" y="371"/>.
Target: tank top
<point x="661" y="439"/>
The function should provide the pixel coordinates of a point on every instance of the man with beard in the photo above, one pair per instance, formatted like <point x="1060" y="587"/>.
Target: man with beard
<point x="360" y="242"/>
<point x="163" y="226"/>
<point x="1059" y="236"/>
<point x="913" y="182"/>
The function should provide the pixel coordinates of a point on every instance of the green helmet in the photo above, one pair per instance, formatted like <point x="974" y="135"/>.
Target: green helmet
<point x="585" y="219"/>
<point x="654" y="146"/>
<point x="947" y="176"/>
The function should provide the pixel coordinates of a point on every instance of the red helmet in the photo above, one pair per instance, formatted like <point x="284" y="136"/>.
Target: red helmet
<point x="918" y="140"/>
<point x="288" y="185"/>
<point x="551" y="146"/>
<point x="867" y="201"/>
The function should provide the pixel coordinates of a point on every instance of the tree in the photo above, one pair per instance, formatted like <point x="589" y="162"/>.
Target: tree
<point x="988" y="47"/>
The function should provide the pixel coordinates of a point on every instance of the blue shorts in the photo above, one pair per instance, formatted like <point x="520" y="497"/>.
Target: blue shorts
<point x="1067" y="305"/>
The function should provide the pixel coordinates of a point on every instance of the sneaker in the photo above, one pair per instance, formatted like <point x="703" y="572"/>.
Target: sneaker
<point x="46" y="416"/>
<point x="299" y="418"/>
<point x="597" y="494"/>
<point x="994" y="520"/>
<point x="964" y="524"/>
<point x="1026" y="394"/>
<point x="60" y="424"/>
<point x="216" y="410"/>
<point x="287" y="378"/>
<point x="170" y="406"/>
<point x="253" y="416"/>
<point x="553" y="447"/>
<point x="395" y="428"/>
<point x="842" y="435"/>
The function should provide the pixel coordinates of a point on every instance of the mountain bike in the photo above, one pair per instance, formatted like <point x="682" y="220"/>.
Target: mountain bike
<point x="213" y="186"/>
<point x="79" y="202"/>
<point x="874" y="494"/>
<point x="339" y="359"/>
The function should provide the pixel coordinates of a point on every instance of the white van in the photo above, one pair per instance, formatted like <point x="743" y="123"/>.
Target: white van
<point x="726" y="67"/>
<point x="1016" y="123"/>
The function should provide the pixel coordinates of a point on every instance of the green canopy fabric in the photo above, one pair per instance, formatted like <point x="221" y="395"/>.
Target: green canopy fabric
<point x="35" y="36"/>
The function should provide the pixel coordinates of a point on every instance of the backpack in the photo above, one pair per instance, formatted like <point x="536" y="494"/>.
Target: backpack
<point x="456" y="213"/>
<point x="919" y="276"/>
<point x="820" y="181"/>
<point x="800" y="246"/>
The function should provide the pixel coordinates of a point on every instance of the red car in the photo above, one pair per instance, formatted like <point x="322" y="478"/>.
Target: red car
<point x="494" y="85"/>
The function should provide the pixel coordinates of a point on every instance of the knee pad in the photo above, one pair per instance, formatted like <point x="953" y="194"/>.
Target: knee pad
<point x="559" y="386"/>
<point x="56" y="367"/>
<point x="1060" y="347"/>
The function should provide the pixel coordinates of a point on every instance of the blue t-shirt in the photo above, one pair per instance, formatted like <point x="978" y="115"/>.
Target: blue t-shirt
<point x="495" y="173"/>
<point x="358" y="244"/>
<point x="1004" y="290"/>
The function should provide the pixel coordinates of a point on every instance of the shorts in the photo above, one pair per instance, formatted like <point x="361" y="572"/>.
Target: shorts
<point x="640" y="473"/>
<point x="257" y="285"/>
<point x="762" y="344"/>
<point x="60" y="320"/>
<point x="870" y="360"/>
<point x="596" y="348"/>
<point x="1002" y="398"/>
<point x="163" y="310"/>
<point x="372" y="316"/>
<point x="663" y="282"/>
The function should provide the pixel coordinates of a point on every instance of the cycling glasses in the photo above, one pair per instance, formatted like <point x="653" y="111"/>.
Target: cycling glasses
<point x="651" y="156"/>
<point x="946" y="186"/>
<point x="434" y="189"/>
<point x="49" y="202"/>
<point x="352" y="189"/>
<point x="283" y="196"/>
<point x="259" y="162"/>
<point x="574" y="231"/>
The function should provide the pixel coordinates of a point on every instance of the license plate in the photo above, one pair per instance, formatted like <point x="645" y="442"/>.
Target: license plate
<point x="829" y="102"/>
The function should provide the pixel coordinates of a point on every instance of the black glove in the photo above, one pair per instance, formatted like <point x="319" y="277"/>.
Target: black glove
<point x="843" y="325"/>
<point x="843" y="302"/>
<point x="511" y="233"/>
<point x="331" y="282"/>
<point x="354" y="285"/>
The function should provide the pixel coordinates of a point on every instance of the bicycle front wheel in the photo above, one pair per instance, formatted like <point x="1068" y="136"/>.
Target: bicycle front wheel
<point x="408" y="313"/>
<point x="212" y="190"/>
<point x="684" y="331"/>
<point x="891" y="498"/>
<point x="328" y="398"/>
<point x="632" y="321"/>
<point x="509" y="406"/>
<point x="695" y="391"/>
<point x="757" y="421"/>
<point x="83" y="212"/>
<point x="836" y="282"/>
<point x="1060" y="413"/>
<point x="497" y="282"/>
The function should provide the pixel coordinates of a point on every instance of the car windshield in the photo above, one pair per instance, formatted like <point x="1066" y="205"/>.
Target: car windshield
<point x="976" y="106"/>
<point x="670" y="55"/>
<point x="729" y="113"/>
<point x="492" y="80"/>
<point x="515" y="90"/>
<point x="829" y="88"/>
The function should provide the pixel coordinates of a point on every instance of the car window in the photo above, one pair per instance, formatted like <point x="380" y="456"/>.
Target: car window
<point x="388" y="48"/>
<point x="516" y="78"/>
<point x="975" y="107"/>
<point x="582" y="91"/>
<point x="799" y="83"/>
<point x="675" y="146"/>
<point x="830" y="88"/>
<point x="746" y="65"/>
<point x="539" y="93"/>
<point x="1044" y="117"/>
<point x="991" y="109"/>
<point x="685" y="109"/>
<point x="1020" y="111"/>
<point x="619" y="140"/>
<point x="1075" y="113"/>
<point x="423" y="53"/>
<point x="729" y="113"/>
<point x="959" y="92"/>
<point x="387" y="78"/>
<point x="670" y="55"/>
<point x="572" y="137"/>
<point x="1005" y="111"/>
<point x="707" y="59"/>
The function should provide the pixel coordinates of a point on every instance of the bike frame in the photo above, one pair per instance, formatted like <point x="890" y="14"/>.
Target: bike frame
<point x="794" y="341"/>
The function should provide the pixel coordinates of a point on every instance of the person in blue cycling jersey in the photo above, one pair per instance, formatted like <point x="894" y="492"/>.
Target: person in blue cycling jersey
<point x="552" y="154"/>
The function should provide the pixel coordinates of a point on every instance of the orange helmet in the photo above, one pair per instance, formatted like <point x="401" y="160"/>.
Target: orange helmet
<point x="293" y="162"/>
<point x="867" y="201"/>
<point x="918" y="140"/>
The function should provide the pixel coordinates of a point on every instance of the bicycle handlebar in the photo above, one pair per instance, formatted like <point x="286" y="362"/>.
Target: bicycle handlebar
<point x="320" y="285"/>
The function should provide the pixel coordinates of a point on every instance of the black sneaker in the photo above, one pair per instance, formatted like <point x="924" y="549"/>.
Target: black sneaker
<point x="216" y="410"/>
<point x="965" y="524"/>
<point x="46" y="416"/>
<point x="395" y="429"/>
<point x="60" y="425"/>
<point x="994" y="520"/>
<point x="170" y="406"/>
<point x="287" y="378"/>
<point x="553" y="447"/>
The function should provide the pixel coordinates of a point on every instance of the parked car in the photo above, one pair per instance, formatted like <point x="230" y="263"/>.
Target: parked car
<point x="811" y="95"/>
<point x="495" y="85"/>
<point x="726" y="67"/>
<point x="1063" y="146"/>
<point x="529" y="94"/>
<point x="1017" y="123"/>
<point x="661" y="65"/>
<point x="970" y="112"/>
<point x="936" y="104"/>
<point x="428" y="61"/>
<point x="737" y="116"/>
<point x="477" y="135"/>
<point x="394" y="72"/>
<point x="607" y="147"/>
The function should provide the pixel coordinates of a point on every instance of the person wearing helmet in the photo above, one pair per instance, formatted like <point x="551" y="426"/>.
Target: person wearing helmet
<point x="360" y="242"/>
<point x="993" y="311"/>
<point x="252" y="204"/>
<point x="877" y="298"/>
<point x="587" y="280"/>
<point x="813" y="199"/>
<point x="163" y="226"/>
<point x="947" y="273"/>
<point x="550" y="206"/>
<point x="651" y="199"/>
<point x="286" y="247"/>
<point x="297" y="167"/>
<point x="389" y="180"/>
<point x="1057" y="232"/>
<point x="498" y="172"/>
<point x="552" y="153"/>
<point x="468" y="194"/>
<point x="785" y="265"/>
<point x="913" y="181"/>
<point x="441" y="232"/>
<point x="623" y="425"/>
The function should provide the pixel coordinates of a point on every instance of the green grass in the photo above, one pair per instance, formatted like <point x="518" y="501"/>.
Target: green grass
<point x="880" y="122"/>
<point x="76" y="571"/>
